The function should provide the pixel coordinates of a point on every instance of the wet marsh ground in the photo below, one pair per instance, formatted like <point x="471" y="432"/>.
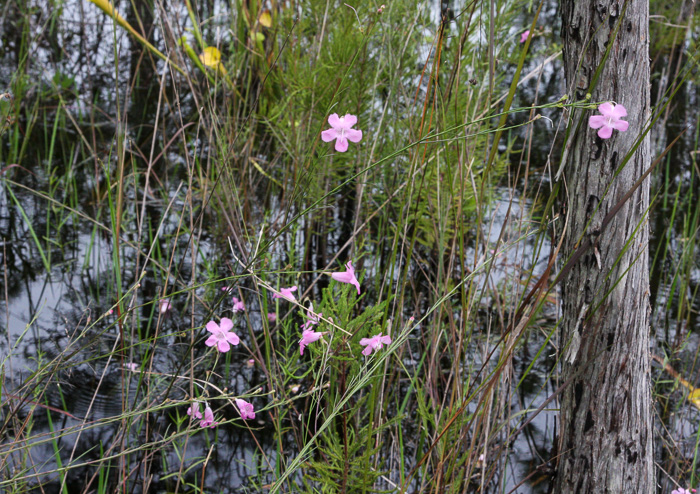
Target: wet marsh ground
<point x="128" y="180"/>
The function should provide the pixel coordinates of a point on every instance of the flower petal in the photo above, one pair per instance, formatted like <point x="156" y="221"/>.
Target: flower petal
<point x="329" y="135"/>
<point x="349" y="120"/>
<point x="226" y="324"/>
<point x="334" y="120"/>
<point x="607" y="109"/>
<point x="620" y="125"/>
<point x="212" y="327"/>
<point x="605" y="132"/>
<point x="353" y="135"/>
<point x="223" y="346"/>
<point x="619" y="111"/>
<point x="211" y="341"/>
<point x="341" y="144"/>
<point x="233" y="338"/>
<point x="365" y="341"/>
<point x="367" y="350"/>
<point x="596" y="121"/>
<point x="385" y="339"/>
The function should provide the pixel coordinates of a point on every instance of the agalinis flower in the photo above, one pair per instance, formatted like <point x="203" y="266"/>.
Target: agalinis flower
<point x="314" y="318"/>
<point x="347" y="276"/>
<point x="286" y="293"/>
<point x="680" y="490"/>
<point x="238" y="305"/>
<point x="308" y="336"/>
<point x="609" y="120"/>
<point x="194" y="408"/>
<point x="221" y="335"/>
<point x="271" y="316"/>
<point x="374" y="343"/>
<point x="341" y="130"/>
<point x="165" y="306"/>
<point x="208" y="420"/>
<point x="246" y="409"/>
<point x="523" y="37"/>
<point x="132" y="367"/>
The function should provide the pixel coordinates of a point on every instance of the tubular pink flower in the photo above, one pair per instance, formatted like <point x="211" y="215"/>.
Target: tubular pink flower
<point x="238" y="305"/>
<point x="208" y="420"/>
<point x="523" y="37"/>
<point x="221" y="335"/>
<point x="286" y="293"/>
<point x="347" y="276"/>
<point x="308" y="336"/>
<point x="374" y="343"/>
<point x="609" y="120"/>
<point x="246" y="409"/>
<point x="194" y="408"/>
<point x="341" y="130"/>
<point x="314" y="318"/>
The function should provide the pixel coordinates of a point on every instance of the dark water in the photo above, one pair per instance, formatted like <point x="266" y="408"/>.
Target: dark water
<point x="72" y="72"/>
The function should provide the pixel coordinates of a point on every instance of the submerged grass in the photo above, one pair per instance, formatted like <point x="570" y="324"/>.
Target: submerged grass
<point x="128" y="184"/>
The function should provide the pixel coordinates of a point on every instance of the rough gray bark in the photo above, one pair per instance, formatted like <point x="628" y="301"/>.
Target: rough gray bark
<point x="605" y="442"/>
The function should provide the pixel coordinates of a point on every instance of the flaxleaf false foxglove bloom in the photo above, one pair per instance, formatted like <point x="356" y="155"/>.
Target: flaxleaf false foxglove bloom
<point x="341" y="130"/>
<point x="208" y="420"/>
<point x="314" y="318"/>
<point x="246" y="409"/>
<point x="374" y="343"/>
<point x="238" y="305"/>
<point x="165" y="306"/>
<point x="523" y="37"/>
<point x="221" y="335"/>
<point x="286" y="293"/>
<point x="609" y="120"/>
<point x="194" y="409"/>
<point x="308" y="336"/>
<point x="680" y="490"/>
<point x="347" y="276"/>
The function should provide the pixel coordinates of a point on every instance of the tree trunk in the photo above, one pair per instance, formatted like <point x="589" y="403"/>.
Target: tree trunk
<point x="606" y="435"/>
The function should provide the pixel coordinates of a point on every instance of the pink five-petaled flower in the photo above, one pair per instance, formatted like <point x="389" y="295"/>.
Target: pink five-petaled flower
<point x="347" y="276"/>
<point x="609" y="120"/>
<point x="208" y="420"/>
<point x="286" y="293"/>
<point x="246" y="409"/>
<point x="221" y="335"/>
<point x="341" y="130"/>
<point x="308" y="336"/>
<point x="524" y="36"/>
<point x="238" y="305"/>
<point x="374" y="343"/>
<point x="194" y="409"/>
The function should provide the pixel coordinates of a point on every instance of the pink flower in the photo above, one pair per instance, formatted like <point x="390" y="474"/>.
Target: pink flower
<point x="208" y="420"/>
<point x="165" y="306"/>
<point x="194" y="408"/>
<point x="308" y="336"/>
<point x="342" y="131"/>
<point x="246" y="409"/>
<point x="271" y="316"/>
<point x="680" y="490"/>
<point x="238" y="305"/>
<point x="222" y="335"/>
<point x="132" y="367"/>
<point x="250" y="362"/>
<point x="225" y="288"/>
<point x="347" y="276"/>
<point x="286" y="293"/>
<point x="374" y="343"/>
<point x="609" y="120"/>
<point x="314" y="318"/>
<point x="524" y="36"/>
